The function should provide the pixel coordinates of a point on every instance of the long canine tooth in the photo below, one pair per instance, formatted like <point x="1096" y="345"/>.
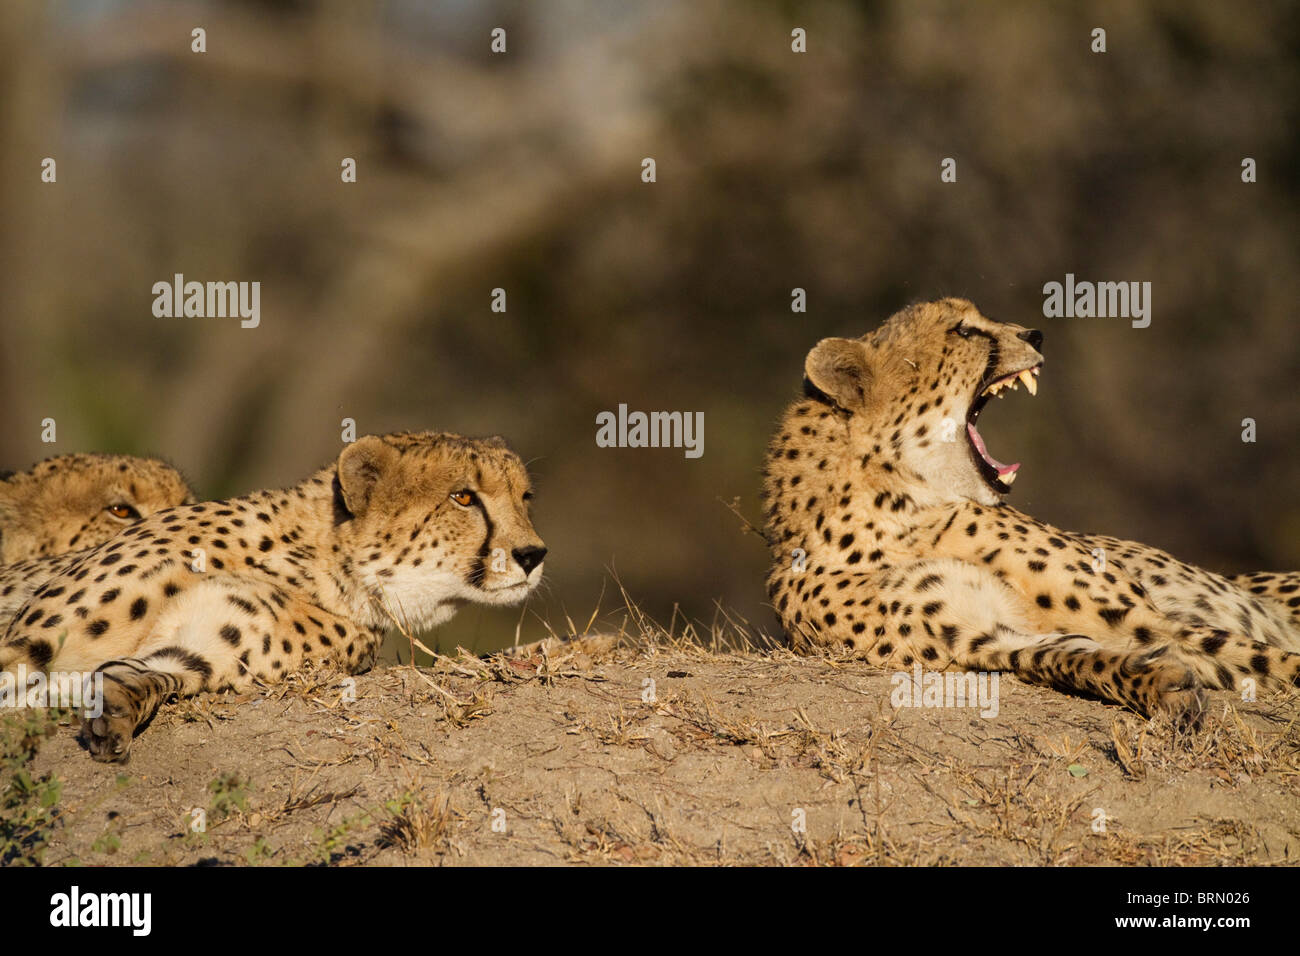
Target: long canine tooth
<point x="1027" y="377"/>
<point x="1009" y="478"/>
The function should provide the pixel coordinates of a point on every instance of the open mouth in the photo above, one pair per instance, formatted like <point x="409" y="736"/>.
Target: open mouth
<point x="1000" y="477"/>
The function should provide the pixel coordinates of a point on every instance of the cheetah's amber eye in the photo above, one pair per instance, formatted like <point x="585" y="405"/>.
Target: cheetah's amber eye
<point x="123" y="511"/>
<point x="463" y="498"/>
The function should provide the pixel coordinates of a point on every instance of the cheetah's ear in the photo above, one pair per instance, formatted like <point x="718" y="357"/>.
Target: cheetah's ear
<point x="838" y="368"/>
<point x="362" y="465"/>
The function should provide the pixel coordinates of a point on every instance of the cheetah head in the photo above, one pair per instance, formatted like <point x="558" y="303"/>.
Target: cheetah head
<point x="70" y="502"/>
<point x="428" y="522"/>
<point x="916" y="388"/>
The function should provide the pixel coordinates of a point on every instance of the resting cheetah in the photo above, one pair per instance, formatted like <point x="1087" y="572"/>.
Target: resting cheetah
<point x="69" y="503"/>
<point x="880" y="479"/>
<point x="72" y="502"/>
<point x="222" y="594"/>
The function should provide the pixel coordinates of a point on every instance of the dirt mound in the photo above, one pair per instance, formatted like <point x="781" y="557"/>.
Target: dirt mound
<point x="591" y="753"/>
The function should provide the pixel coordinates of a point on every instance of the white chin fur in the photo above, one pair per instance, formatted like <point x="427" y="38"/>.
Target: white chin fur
<point x="950" y="475"/>
<point x="417" y="600"/>
<point x="422" y="600"/>
<point x="508" y="589"/>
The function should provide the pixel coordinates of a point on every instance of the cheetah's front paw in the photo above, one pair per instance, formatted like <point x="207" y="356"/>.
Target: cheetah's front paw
<point x="108" y="736"/>
<point x="1177" y="691"/>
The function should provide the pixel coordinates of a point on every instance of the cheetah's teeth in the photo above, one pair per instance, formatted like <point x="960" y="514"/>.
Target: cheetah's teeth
<point x="1013" y="382"/>
<point x="1009" y="478"/>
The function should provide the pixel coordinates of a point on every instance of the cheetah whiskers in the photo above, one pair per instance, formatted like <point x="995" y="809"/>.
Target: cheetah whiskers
<point x="393" y="609"/>
<point x="403" y="624"/>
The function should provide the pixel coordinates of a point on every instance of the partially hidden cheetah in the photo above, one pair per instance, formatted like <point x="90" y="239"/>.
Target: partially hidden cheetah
<point x="890" y="539"/>
<point x="71" y="503"/>
<point x="402" y="528"/>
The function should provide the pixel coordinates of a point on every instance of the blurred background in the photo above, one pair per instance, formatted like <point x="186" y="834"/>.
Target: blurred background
<point x="775" y="170"/>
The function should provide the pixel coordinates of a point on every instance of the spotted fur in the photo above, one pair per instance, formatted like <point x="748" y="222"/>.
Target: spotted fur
<point x="225" y="594"/>
<point x="908" y="553"/>
<point x="71" y="503"/>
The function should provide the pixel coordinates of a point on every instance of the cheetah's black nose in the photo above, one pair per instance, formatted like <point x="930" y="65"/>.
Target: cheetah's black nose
<point x="1034" y="338"/>
<point x="529" y="557"/>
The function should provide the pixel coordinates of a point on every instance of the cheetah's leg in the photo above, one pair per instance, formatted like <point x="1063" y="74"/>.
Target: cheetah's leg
<point x="1209" y="639"/>
<point x="1280" y="587"/>
<point x="955" y="615"/>
<point x="1158" y="679"/>
<point x="1222" y="659"/>
<point x="226" y="634"/>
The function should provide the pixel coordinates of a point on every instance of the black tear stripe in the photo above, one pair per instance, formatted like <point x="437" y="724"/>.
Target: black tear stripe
<point x="478" y="573"/>
<point x="994" y="353"/>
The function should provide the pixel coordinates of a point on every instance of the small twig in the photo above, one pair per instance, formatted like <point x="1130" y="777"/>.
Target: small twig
<point x="734" y="507"/>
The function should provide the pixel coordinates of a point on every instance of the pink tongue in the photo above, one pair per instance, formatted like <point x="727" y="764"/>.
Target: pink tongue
<point x="978" y="442"/>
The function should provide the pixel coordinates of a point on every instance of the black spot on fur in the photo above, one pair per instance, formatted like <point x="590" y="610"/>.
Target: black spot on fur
<point x="191" y="662"/>
<point x="244" y="605"/>
<point x="1113" y="615"/>
<point x="1214" y="642"/>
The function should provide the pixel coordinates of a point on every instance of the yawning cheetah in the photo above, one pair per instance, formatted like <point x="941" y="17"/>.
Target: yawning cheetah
<point x="224" y="593"/>
<point x="889" y="536"/>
